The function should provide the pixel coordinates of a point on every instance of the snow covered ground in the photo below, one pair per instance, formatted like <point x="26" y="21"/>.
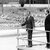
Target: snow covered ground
<point x="10" y="42"/>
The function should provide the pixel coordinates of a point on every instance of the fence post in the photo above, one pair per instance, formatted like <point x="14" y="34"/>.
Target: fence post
<point x="17" y="39"/>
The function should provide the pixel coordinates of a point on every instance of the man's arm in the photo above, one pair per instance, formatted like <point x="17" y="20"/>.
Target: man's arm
<point x="23" y="23"/>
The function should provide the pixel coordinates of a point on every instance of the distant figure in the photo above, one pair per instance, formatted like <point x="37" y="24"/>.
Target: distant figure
<point x="29" y="25"/>
<point x="22" y="3"/>
<point x="47" y="28"/>
<point x="29" y="1"/>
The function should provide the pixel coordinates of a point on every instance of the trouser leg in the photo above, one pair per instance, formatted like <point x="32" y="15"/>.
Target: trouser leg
<point x="48" y="39"/>
<point x="30" y="37"/>
<point x="47" y="34"/>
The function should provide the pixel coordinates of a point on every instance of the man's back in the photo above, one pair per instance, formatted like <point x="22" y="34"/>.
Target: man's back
<point x="47" y="22"/>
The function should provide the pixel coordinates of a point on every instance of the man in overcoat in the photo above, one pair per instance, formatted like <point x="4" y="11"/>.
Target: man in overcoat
<point x="47" y="28"/>
<point x="29" y="25"/>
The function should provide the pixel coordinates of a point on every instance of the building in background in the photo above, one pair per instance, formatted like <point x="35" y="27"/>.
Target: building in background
<point x="26" y="1"/>
<point x="37" y="1"/>
<point x="8" y="1"/>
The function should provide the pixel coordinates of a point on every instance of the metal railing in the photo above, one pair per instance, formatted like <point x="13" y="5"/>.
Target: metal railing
<point x="38" y="31"/>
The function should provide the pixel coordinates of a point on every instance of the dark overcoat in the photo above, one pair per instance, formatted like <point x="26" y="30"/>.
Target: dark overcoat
<point x="47" y="23"/>
<point x="29" y="22"/>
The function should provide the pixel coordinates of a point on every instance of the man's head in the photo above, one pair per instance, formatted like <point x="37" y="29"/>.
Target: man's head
<point x="29" y="13"/>
<point x="47" y="12"/>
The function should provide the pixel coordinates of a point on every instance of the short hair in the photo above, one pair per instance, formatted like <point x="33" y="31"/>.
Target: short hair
<point x="47" y="11"/>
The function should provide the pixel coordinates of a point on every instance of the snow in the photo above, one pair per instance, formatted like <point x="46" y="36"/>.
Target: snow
<point x="10" y="42"/>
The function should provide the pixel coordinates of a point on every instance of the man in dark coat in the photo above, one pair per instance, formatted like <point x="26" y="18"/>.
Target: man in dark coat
<point x="29" y="25"/>
<point x="47" y="28"/>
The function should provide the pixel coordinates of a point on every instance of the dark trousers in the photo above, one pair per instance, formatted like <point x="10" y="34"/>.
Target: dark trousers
<point x="30" y="37"/>
<point x="48" y="38"/>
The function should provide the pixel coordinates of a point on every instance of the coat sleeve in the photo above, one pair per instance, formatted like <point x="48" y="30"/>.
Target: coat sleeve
<point x="24" y="23"/>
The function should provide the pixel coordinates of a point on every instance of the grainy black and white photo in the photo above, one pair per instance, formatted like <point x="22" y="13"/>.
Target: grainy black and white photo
<point x="24" y="24"/>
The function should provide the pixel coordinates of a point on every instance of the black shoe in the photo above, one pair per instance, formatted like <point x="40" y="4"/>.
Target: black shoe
<point x="48" y="46"/>
<point x="30" y="45"/>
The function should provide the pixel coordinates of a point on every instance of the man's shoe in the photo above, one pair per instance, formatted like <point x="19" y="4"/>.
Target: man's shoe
<point x="29" y="46"/>
<point x="48" y="46"/>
